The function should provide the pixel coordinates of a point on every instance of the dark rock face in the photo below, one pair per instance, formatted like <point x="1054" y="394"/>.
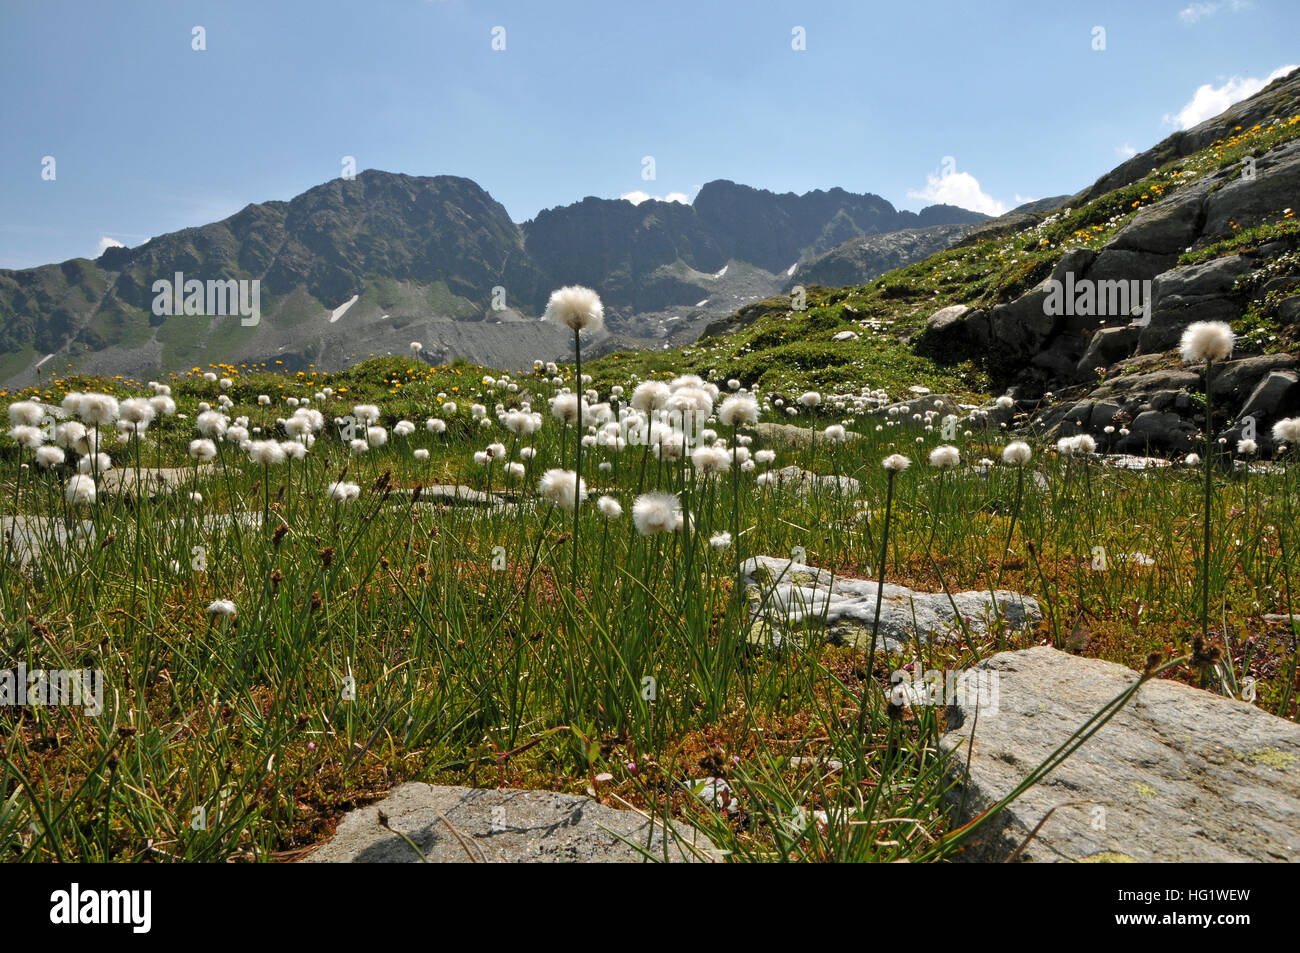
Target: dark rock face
<point x="861" y="259"/>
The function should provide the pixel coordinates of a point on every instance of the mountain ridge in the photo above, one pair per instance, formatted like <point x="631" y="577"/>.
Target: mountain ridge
<point x="417" y="252"/>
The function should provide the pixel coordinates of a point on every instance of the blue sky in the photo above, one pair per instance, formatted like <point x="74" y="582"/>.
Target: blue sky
<point x="149" y="135"/>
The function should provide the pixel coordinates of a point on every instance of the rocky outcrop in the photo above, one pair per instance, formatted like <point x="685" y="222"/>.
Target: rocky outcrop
<point x="1155" y="410"/>
<point x="1179" y="775"/>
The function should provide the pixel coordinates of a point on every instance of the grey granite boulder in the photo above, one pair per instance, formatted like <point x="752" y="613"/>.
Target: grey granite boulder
<point x="789" y="599"/>
<point x="445" y="824"/>
<point x="1179" y="774"/>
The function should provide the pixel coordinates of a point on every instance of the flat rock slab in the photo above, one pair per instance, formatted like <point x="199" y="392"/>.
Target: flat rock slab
<point x="1179" y="774"/>
<point x="450" y="495"/>
<point x="788" y="598"/>
<point x="23" y="537"/>
<point x="464" y="825"/>
<point x="154" y="481"/>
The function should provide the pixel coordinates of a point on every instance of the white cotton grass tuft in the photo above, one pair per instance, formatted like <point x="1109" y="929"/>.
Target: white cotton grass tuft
<point x="421" y="454"/>
<point x="25" y="436"/>
<point x="47" y="457"/>
<point x="1206" y="341"/>
<point x="222" y="607"/>
<point x="945" y="457"/>
<point x="341" y="492"/>
<point x="25" y="413"/>
<point x="212" y="423"/>
<point x="1247" y="447"/>
<point x="98" y="409"/>
<point x="720" y="541"/>
<point x="575" y="307"/>
<point x="434" y="425"/>
<point x="93" y="463"/>
<point x="203" y="450"/>
<point x="810" y="399"/>
<point x="656" y="513"/>
<point x="835" y="434"/>
<point x="609" y="507"/>
<point x="562" y="488"/>
<point x="710" y="460"/>
<point x="68" y="435"/>
<point x="1286" y="432"/>
<point x="1016" y="453"/>
<point x="650" y="395"/>
<point x="895" y="463"/>
<point x="1077" y="445"/>
<point x="564" y="408"/>
<point x="267" y="453"/>
<point x="80" y="490"/>
<point x="737" y="410"/>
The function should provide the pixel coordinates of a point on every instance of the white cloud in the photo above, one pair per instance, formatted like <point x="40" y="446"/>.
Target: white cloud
<point x="105" y="243"/>
<point x="637" y="197"/>
<point x="1125" y="151"/>
<point x="1209" y="101"/>
<point x="1199" y="11"/>
<point x="958" y="188"/>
